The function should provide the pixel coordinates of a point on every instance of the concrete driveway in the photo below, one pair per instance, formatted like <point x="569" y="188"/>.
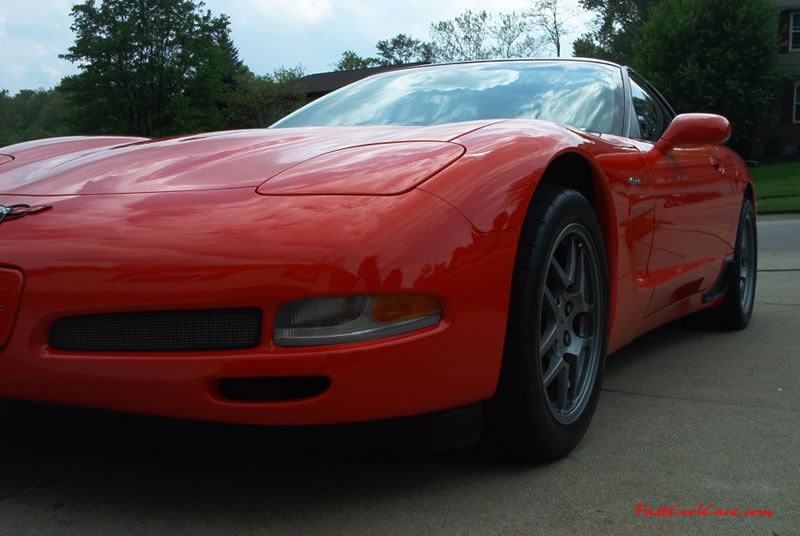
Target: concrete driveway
<point x="688" y="417"/>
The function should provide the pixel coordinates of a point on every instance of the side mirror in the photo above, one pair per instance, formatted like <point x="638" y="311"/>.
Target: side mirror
<point x="694" y="129"/>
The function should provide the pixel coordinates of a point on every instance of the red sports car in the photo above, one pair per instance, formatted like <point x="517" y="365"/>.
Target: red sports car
<point x="476" y="236"/>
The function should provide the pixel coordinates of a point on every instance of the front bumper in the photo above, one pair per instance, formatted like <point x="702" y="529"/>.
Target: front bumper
<point x="235" y="249"/>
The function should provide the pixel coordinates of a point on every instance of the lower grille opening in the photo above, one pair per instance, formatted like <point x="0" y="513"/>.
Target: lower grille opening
<point x="159" y="331"/>
<point x="272" y="389"/>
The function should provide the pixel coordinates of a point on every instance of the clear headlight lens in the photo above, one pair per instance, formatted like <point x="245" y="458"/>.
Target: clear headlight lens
<point x="341" y="319"/>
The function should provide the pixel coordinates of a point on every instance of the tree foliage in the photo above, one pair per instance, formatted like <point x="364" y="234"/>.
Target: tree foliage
<point x="472" y="35"/>
<point x="261" y="100"/>
<point x="548" y="16"/>
<point x="476" y="35"/>
<point x="619" y="26"/>
<point x="464" y="38"/>
<point x="402" y="49"/>
<point x="512" y="36"/>
<point x="32" y="114"/>
<point x="149" y="67"/>
<point x="715" y="56"/>
<point x="350" y="61"/>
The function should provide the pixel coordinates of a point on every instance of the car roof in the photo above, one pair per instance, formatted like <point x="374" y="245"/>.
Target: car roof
<point x="514" y="60"/>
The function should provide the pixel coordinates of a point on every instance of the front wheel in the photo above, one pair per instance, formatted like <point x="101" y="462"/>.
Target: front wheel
<point x="557" y="330"/>
<point x="737" y="307"/>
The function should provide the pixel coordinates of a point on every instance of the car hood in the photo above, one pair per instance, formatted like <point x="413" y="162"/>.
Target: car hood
<point x="96" y="165"/>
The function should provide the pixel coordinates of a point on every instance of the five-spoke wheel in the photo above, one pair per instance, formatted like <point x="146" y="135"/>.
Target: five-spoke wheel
<point x="569" y="340"/>
<point x="557" y="329"/>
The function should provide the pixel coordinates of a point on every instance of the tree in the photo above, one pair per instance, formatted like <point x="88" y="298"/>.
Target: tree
<point x="262" y="100"/>
<point x="512" y="36"/>
<point x="399" y="50"/>
<point x="463" y="38"/>
<point x="233" y="67"/>
<point x="475" y="36"/>
<point x="351" y="61"/>
<point x="402" y="49"/>
<point x="209" y="92"/>
<point x="548" y="17"/>
<point x="585" y="47"/>
<point x="715" y="56"/>
<point x="620" y="23"/>
<point x="149" y="67"/>
<point x="32" y="114"/>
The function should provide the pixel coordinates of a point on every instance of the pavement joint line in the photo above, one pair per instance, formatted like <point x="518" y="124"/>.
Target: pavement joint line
<point x="688" y="399"/>
<point x="780" y="304"/>
<point x="781" y="270"/>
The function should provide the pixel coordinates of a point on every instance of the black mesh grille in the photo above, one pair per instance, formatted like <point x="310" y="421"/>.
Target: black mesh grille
<point x="159" y="331"/>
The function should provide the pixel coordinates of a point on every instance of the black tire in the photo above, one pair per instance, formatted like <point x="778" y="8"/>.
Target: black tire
<point x="736" y="309"/>
<point x="557" y="330"/>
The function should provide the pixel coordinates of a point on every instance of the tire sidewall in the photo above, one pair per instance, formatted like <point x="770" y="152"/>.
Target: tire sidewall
<point x="557" y="438"/>
<point x="734" y="315"/>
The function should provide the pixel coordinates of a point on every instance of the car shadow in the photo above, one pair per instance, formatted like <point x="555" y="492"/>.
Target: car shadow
<point x="63" y="447"/>
<point x="671" y="335"/>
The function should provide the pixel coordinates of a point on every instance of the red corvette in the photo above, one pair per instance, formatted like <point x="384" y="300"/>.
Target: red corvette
<point x="475" y="235"/>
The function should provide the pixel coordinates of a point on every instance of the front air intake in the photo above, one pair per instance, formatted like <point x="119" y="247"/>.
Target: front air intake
<point x="159" y="331"/>
<point x="273" y="389"/>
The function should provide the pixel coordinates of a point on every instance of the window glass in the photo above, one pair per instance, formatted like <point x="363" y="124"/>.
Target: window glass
<point x="794" y="31"/>
<point x="796" y="116"/>
<point x="648" y="115"/>
<point x="583" y="95"/>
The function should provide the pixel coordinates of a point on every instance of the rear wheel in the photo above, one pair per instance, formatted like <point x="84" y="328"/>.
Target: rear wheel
<point x="557" y="330"/>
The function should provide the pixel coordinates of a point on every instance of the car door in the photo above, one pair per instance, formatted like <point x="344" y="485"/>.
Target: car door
<point x="693" y="200"/>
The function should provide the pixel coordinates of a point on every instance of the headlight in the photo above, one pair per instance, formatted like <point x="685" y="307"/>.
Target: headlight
<point x="318" y="321"/>
<point x="377" y="169"/>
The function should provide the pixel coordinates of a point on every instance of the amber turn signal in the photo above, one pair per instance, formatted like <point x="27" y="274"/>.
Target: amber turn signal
<point x="390" y="308"/>
<point x="341" y="319"/>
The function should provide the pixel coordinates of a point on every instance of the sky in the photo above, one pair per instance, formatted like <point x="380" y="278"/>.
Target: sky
<point x="269" y="34"/>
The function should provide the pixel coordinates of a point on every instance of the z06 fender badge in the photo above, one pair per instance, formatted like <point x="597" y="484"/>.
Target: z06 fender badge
<point x="13" y="212"/>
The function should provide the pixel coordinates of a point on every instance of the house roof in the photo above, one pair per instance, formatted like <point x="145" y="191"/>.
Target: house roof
<point x="321" y="83"/>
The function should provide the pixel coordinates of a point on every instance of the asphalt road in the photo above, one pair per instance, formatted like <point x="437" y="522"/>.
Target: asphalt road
<point x="687" y="417"/>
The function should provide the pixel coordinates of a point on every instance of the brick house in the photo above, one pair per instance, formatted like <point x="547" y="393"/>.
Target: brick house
<point x="784" y="136"/>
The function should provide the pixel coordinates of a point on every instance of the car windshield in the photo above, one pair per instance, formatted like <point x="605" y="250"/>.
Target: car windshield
<point x="583" y="95"/>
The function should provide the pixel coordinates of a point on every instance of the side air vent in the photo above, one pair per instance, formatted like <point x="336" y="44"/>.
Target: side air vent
<point x="159" y="331"/>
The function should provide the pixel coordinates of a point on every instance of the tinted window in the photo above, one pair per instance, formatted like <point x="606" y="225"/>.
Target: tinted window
<point x="580" y="94"/>
<point x="649" y="117"/>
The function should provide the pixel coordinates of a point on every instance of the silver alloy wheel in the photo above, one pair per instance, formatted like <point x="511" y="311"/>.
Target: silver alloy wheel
<point x="747" y="269"/>
<point x="570" y="341"/>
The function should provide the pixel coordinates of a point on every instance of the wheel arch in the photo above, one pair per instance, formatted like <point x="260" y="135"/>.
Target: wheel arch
<point x="495" y="183"/>
<point x="575" y="170"/>
<point x="750" y="193"/>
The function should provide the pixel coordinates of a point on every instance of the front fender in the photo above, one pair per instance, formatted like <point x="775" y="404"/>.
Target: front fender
<point x="493" y="183"/>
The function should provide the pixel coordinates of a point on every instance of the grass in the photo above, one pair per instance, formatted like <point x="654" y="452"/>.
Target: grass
<point x="777" y="187"/>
